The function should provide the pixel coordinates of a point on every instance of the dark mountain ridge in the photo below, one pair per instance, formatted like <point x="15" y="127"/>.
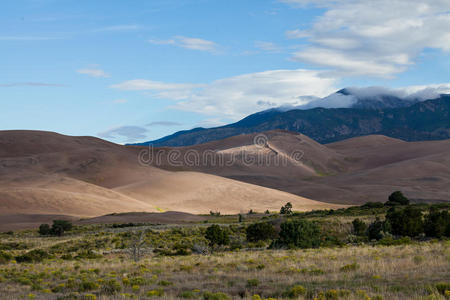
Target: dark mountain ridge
<point x="420" y="121"/>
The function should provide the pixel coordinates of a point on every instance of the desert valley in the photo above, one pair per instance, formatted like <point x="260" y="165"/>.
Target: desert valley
<point x="225" y="150"/>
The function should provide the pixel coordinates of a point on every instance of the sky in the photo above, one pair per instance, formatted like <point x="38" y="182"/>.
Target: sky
<point x="130" y="71"/>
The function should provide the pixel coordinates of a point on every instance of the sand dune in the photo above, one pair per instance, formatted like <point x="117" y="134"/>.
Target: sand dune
<point x="50" y="174"/>
<point x="353" y="171"/>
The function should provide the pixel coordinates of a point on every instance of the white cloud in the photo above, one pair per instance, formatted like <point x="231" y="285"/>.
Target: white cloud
<point x="174" y="91"/>
<point x="238" y="96"/>
<point x="188" y="43"/>
<point x="130" y="133"/>
<point x="163" y="123"/>
<point x="267" y="46"/>
<point x="93" y="72"/>
<point x="120" y="101"/>
<point x="296" y="34"/>
<point x="376" y="38"/>
<point x="411" y="93"/>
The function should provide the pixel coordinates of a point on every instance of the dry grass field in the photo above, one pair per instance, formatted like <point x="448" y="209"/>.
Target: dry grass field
<point x="95" y="262"/>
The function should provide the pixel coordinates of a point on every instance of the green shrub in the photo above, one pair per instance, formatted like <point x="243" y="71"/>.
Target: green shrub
<point x="187" y="295"/>
<point x="5" y="257"/>
<point x="373" y="205"/>
<point x="397" y="198"/>
<point x="251" y="283"/>
<point x="405" y="222"/>
<point x="359" y="227"/>
<point x="351" y="267"/>
<point x="88" y="285"/>
<point x="295" y="291"/>
<point x="165" y="283"/>
<point x="260" y="232"/>
<point x="155" y="293"/>
<point x="298" y="234"/>
<point x="378" y="229"/>
<point x="14" y="246"/>
<point x="58" y="228"/>
<point x="111" y="287"/>
<point x="44" y="229"/>
<point x="389" y="241"/>
<point x="36" y="255"/>
<point x="442" y="287"/>
<point x="217" y="236"/>
<point x="332" y="295"/>
<point x="437" y="224"/>
<point x="137" y="281"/>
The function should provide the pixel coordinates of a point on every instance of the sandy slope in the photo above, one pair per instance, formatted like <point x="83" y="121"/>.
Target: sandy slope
<point x="47" y="173"/>
<point x="353" y="171"/>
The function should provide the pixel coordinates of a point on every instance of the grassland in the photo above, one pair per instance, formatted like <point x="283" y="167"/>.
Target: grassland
<point x="95" y="262"/>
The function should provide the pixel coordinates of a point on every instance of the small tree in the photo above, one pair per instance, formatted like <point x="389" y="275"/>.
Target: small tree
<point x="136" y="246"/>
<point x="260" y="232"/>
<point x="286" y="209"/>
<point x="378" y="229"/>
<point x="437" y="224"/>
<point x="217" y="236"/>
<point x="397" y="198"/>
<point x="58" y="228"/>
<point x="298" y="234"/>
<point x="405" y="222"/>
<point x="44" y="229"/>
<point x="359" y="227"/>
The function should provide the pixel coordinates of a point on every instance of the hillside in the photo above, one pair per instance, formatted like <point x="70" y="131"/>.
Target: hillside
<point x="44" y="173"/>
<point x="352" y="171"/>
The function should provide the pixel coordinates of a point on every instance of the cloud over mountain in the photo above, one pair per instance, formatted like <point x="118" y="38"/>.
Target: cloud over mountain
<point x="375" y="38"/>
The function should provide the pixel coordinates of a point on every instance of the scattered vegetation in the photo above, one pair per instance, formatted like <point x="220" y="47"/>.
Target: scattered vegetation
<point x="374" y="251"/>
<point x="58" y="228"/>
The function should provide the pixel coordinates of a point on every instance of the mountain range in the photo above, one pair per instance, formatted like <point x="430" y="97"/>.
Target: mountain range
<point x="407" y="118"/>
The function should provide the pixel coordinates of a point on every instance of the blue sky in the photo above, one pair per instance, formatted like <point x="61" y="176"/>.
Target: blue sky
<point x="133" y="71"/>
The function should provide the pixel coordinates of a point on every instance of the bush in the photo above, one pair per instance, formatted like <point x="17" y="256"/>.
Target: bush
<point x="378" y="229"/>
<point x="155" y="293"/>
<point x="36" y="255"/>
<point x="405" y="222"/>
<point x="349" y="268"/>
<point x="260" y="232"/>
<point x="298" y="234"/>
<point x="187" y="295"/>
<point x="437" y="224"/>
<point x="389" y="241"/>
<point x="295" y="292"/>
<point x="58" y="228"/>
<point x="359" y="227"/>
<point x="44" y="229"/>
<point x="397" y="198"/>
<point x="111" y="287"/>
<point x="5" y="257"/>
<point x="372" y="205"/>
<point x="252" y="283"/>
<point x="217" y="236"/>
<point x="443" y="287"/>
<point x="88" y="285"/>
